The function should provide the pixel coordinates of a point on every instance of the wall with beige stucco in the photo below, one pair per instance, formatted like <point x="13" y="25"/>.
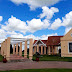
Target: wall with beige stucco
<point x="65" y="44"/>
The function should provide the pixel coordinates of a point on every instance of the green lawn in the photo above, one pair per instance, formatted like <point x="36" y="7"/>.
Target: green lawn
<point x="40" y="70"/>
<point x="53" y="58"/>
<point x="1" y="58"/>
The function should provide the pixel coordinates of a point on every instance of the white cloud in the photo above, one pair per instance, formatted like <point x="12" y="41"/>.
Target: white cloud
<point x="14" y="24"/>
<point x="2" y="35"/>
<point x="66" y="22"/>
<point x="34" y="25"/>
<point x="45" y="37"/>
<point x="33" y="4"/>
<point x="67" y="29"/>
<point x="56" y="24"/>
<point x="1" y="18"/>
<point x="37" y="24"/>
<point x="48" y="13"/>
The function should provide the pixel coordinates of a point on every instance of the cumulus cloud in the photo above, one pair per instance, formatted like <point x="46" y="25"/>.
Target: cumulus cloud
<point x="45" y="37"/>
<point x="34" y="25"/>
<point x="33" y="4"/>
<point x="66" y="22"/>
<point x="1" y="18"/>
<point x="56" y="24"/>
<point x="2" y="35"/>
<point x="48" y="13"/>
<point x="14" y="24"/>
<point x="37" y="24"/>
<point x="67" y="29"/>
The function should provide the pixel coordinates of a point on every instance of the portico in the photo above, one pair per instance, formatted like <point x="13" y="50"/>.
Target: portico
<point x="39" y="47"/>
<point x="15" y="42"/>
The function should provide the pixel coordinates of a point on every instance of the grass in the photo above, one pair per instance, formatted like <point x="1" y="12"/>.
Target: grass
<point x="1" y="58"/>
<point x="40" y="70"/>
<point x="53" y="58"/>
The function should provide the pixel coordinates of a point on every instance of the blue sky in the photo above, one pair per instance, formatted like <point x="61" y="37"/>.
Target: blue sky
<point x="37" y="19"/>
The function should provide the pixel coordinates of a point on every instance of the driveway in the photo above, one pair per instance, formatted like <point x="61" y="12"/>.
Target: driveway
<point x="34" y="65"/>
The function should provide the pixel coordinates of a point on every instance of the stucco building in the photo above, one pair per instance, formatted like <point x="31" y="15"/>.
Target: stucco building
<point x="40" y="46"/>
<point x="66" y="45"/>
<point x="49" y="46"/>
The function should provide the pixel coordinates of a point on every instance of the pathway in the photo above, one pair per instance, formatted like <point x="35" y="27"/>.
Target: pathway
<point x="34" y="65"/>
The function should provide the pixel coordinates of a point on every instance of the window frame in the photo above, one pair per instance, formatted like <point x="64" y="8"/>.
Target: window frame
<point x="68" y="48"/>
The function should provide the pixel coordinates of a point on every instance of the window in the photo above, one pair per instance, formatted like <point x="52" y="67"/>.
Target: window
<point x="71" y="34"/>
<point x="70" y="47"/>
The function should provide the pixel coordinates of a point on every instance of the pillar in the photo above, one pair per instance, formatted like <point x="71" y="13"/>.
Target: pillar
<point x="5" y="46"/>
<point x="49" y="50"/>
<point x="8" y="49"/>
<point x="31" y="49"/>
<point x="25" y="50"/>
<point x="44" y="49"/>
<point x="37" y="48"/>
<point x="41" y="50"/>
<point x="20" y="50"/>
<point x="52" y="50"/>
<point x="17" y="49"/>
<point x="14" y="49"/>
<point x="34" y="49"/>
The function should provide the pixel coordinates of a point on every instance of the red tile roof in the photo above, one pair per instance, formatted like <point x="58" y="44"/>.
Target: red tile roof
<point x="53" y="40"/>
<point x="44" y="41"/>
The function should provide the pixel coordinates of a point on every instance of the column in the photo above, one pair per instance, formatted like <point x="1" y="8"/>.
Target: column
<point x="5" y="46"/>
<point x="41" y="50"/>
<point x="34" y="49"/>
<point x="31" y="49"/>
<point x="37" y="48"/>
<point x="14" y="49"/>
<point x="25" y="50"/>
<point x="44" y="49"/>
<point x="49" y="50"/>
<point x="17" y="49"/>
<point x="20" y="50"/>
<point x="52" y="50"/>
<point x="8" y="49"/>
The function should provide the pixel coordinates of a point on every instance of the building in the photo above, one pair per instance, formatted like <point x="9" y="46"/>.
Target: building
<point x="66" y="45"/>
<point x="40" y="46"/>
<point x="49" y="46"/>
<point x="53" y="44"/>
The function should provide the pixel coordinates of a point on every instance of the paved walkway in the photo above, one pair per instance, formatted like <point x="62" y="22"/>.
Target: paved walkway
<point x="34" y="65"/>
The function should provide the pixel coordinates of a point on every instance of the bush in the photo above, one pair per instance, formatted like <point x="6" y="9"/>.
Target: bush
<point x="37" y="55"/>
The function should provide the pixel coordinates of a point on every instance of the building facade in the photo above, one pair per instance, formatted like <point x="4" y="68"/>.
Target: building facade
<point x="66" y="45"/>
<point x="49" y="46"/>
